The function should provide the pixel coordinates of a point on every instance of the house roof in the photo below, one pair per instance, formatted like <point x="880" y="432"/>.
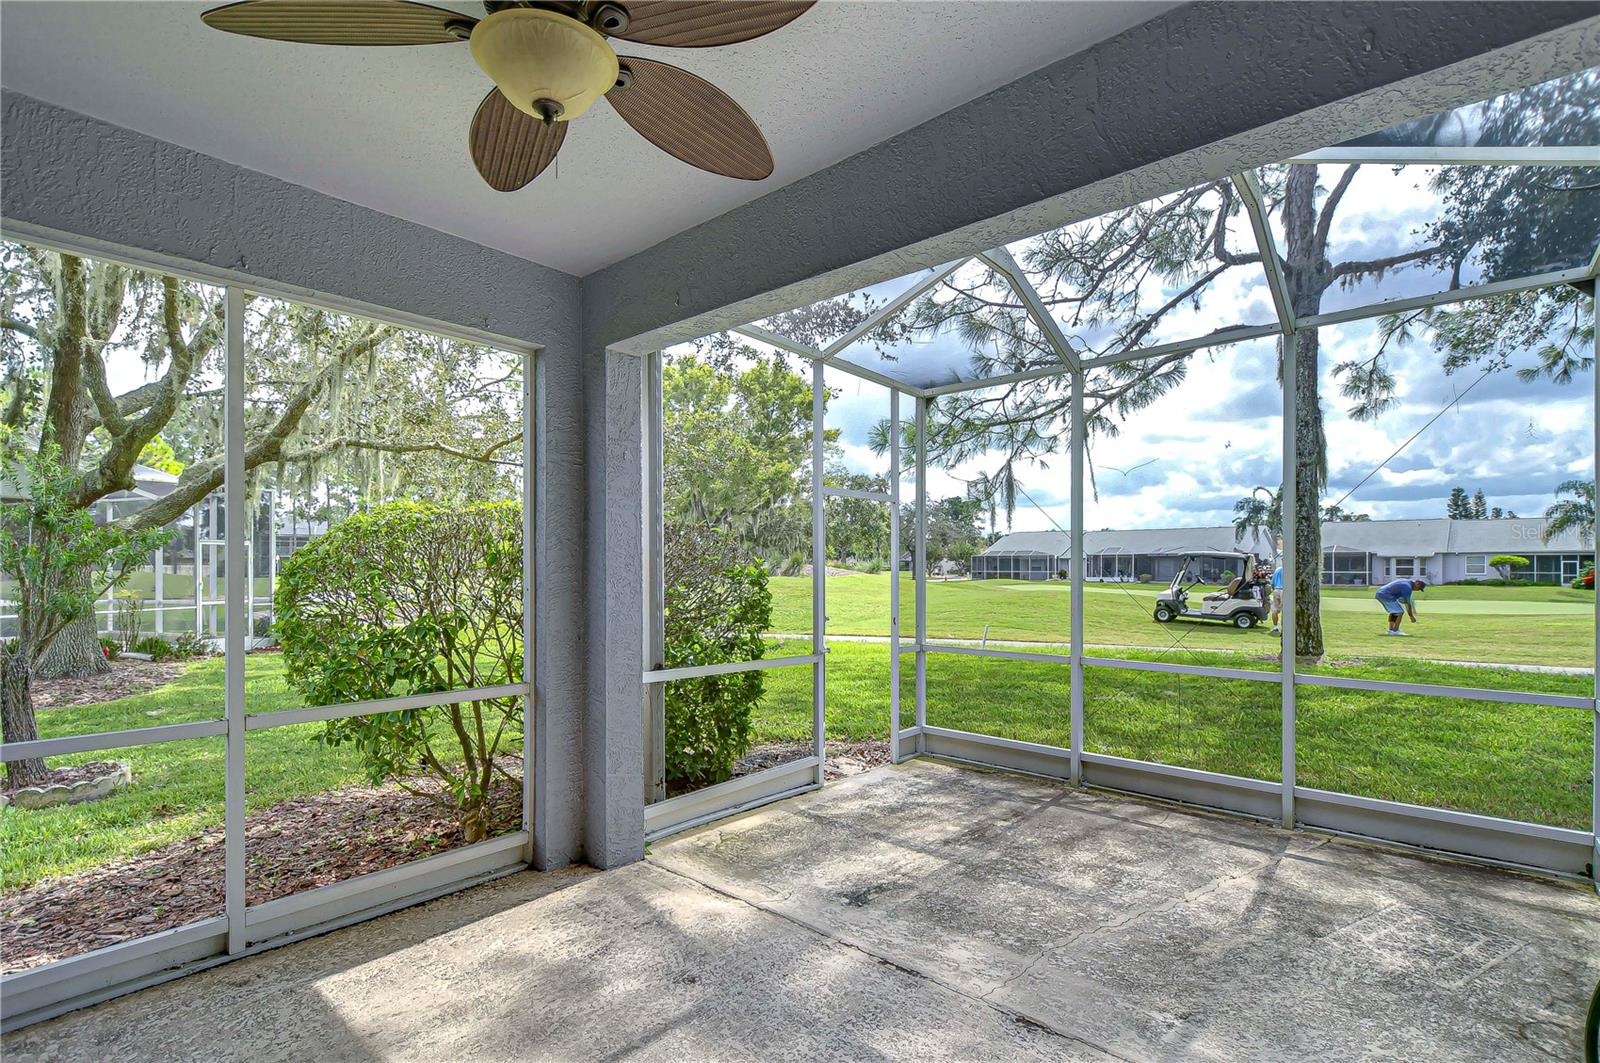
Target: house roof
<point x="1128" y="541"/>
<point x="1047" y="542"/>
<point x="1510" y="535"/>
<point x="144" y="475"/>
<point x="1385" y="538"/>
<point x="1170" y="541"/>
<point x="1389" y="538"/>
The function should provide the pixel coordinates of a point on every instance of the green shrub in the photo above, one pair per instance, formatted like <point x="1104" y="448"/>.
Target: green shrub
<point x="1506" y="562"/>
<point x="110" y="647"/>
<point x="189" y="644"/>
<point x="717" y="607"/>
<point x="157" y="647"/>
<point x="409" y="598"/>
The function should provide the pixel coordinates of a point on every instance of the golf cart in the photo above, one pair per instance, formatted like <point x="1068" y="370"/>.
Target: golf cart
<point x="1243" y="603"/>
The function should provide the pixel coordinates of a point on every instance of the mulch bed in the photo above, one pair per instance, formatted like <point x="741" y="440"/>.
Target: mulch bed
<point x="67" y="776"/>
<point x="844" y="758"/>
<point x="291" y="847"/>
<point x="125" y="678"/>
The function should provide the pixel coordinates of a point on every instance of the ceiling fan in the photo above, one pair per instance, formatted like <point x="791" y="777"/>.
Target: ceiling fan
<point x="550" y="62"/>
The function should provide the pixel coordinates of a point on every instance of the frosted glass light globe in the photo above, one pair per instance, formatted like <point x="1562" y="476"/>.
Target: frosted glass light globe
<point x="537" y="55"/>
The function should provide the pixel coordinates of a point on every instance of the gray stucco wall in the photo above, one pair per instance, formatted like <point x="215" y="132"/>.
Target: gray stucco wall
<point x="62" y="171"/>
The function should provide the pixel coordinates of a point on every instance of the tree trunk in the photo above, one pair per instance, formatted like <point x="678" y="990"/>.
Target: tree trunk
<point x="1310" y="461"/>
<point x="1307" y="274"/>
<point x="16" y="717"/>
<point x="474" y="819"/>
<point x="73" y="654"/>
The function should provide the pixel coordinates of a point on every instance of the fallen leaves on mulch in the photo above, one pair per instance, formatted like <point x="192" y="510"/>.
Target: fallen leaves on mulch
<point x="290" y="847"/>
<point x="125" y="678"/>
<point x="309" y="842"/>
<point x="67" y="776"/>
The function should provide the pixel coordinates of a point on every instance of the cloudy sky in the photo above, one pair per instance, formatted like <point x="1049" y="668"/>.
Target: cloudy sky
<point x="1186" y="459"/>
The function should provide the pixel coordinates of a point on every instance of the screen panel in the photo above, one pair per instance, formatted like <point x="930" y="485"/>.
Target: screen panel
<point x="1560" y="112"/>
<point x="145" y="856"/>
<point x="1523" y="762"/>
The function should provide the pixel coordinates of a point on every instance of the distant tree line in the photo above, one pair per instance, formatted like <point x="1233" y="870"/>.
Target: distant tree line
<point x="1461" y="507"/>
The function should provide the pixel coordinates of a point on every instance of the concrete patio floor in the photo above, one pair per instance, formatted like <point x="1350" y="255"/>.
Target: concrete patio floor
<point x="926" y="911"/>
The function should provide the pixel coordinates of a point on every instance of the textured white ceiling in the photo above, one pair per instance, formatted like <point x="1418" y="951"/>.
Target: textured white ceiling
<point x="386" y="127"/>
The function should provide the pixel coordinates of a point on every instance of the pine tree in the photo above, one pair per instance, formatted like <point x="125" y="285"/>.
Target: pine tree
<point x="1480" y="506"/>
<point x="1458" y="507"/>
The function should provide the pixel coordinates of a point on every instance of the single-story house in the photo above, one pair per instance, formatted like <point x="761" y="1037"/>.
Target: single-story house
<point x="1354" y="553"/>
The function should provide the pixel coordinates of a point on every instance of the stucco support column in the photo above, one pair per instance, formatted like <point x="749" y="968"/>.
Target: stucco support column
<point x="560" y="707"/>
<point x="613" y="742"/>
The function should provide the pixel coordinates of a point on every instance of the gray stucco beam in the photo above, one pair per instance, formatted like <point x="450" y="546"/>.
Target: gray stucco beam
<point x="65" y="171"/>
<point x="1201" y="92"/>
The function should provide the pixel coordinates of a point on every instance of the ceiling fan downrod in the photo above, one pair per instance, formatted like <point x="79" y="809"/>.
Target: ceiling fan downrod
<point x="609" y="17"/>
<point x="549" y="110"/>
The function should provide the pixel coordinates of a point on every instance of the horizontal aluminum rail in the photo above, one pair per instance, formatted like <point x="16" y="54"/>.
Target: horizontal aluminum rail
<point x="1446" y="832"/>
<point x="685" y="811"/>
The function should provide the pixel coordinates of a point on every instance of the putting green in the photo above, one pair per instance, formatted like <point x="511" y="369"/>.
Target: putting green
<point x="1467" y="606"/>
<point x="1502" y="625"/>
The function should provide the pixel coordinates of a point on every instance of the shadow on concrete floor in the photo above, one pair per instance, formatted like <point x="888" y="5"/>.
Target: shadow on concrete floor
<point x="924" y="911"/>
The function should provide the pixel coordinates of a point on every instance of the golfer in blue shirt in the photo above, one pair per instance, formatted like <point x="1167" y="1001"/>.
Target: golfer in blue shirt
<point x="1395" y="597"/>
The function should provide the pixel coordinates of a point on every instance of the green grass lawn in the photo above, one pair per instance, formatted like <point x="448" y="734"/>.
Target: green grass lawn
<point x="177" y="790"/>
<point x="1502" y="625"/>
<point x="1521" y="762"/>
<point x="1518" y="761"/>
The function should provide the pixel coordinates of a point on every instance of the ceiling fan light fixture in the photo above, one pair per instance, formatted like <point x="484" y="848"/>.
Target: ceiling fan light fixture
<point x="538" y="58"/>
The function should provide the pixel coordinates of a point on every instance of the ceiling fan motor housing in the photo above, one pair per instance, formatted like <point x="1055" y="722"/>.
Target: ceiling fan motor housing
<point x="546" y="64"/>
